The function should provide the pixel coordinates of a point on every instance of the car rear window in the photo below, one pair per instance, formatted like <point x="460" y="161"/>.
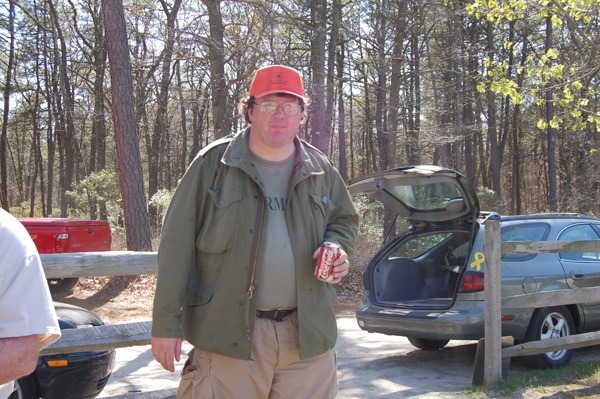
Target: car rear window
<point x="427" y="197"/>
<point x="524" y="232"/>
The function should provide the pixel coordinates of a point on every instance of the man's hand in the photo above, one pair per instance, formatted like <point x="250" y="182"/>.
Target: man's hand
<point x="341" y="266"/>
<point x="165" y="350"/>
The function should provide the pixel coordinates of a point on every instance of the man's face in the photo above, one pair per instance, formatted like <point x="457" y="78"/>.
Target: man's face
<point x="275" y="121"/>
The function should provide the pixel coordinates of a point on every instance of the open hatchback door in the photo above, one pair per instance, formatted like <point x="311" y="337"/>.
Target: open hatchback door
<point x="424" y="193"/>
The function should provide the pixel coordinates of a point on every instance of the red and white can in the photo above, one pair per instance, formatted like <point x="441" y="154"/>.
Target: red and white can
<point x="327" y="255"/>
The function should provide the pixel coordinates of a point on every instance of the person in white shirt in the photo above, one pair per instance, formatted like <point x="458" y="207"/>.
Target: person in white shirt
<point x="27" y="317"/>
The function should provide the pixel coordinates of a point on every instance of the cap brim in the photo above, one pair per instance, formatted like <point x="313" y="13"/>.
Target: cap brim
<point x="266" y="93"/>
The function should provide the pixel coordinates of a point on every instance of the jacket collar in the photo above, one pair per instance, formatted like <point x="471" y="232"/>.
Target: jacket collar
<point x="238" y="154"/>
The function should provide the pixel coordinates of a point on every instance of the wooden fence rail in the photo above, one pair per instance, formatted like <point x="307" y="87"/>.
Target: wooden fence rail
<point x="494" y="249"/>
<point x="101" y="338"/>
<point x="89" y="264"/>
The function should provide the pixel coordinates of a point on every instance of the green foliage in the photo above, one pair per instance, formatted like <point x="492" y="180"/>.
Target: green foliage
<point x="490" y="201"/>
<point x="554" y="68"/>
<point x="371" y="218"/>
<point x="98" y="188"/>
<point x="161" y="200"/>
<point x="22" y="210"/>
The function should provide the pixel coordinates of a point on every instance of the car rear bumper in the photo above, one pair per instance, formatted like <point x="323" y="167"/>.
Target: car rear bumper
<point x="464" y="321"/>
<point x="84" y="377"/>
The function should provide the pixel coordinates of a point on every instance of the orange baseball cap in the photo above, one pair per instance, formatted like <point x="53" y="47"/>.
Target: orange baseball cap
<point x="277" y="79"/>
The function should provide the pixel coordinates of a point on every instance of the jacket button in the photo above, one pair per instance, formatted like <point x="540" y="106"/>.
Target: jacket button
<point x="235" y="344"/>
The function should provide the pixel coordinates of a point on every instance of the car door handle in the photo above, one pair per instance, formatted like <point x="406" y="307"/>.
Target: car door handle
<point x="577" y="275"/>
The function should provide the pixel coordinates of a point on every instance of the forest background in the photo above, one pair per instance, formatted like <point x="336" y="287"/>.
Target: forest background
<point x="105" y="103"/>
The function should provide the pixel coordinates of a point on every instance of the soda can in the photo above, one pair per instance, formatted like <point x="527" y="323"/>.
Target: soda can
<point x="327" y="255"/>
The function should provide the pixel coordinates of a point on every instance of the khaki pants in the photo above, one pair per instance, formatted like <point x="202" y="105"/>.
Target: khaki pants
<point x="275" y="371"/>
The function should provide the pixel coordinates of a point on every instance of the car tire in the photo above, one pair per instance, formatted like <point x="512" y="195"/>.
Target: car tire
<point x="62" y="286"/>
<point x="26" y="388"/>
<point x="548" y="323"/>
<point x="428" y="344"/>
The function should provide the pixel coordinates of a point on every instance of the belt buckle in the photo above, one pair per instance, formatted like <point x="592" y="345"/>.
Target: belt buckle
<point x="280" y="314"/>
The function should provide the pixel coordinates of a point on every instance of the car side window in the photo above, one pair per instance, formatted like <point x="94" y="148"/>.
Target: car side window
<point x="524" y="232"/>
<point x="579" y="232"/>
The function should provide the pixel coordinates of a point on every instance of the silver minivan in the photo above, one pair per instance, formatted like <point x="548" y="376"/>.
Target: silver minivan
<point x="427" y="282"/>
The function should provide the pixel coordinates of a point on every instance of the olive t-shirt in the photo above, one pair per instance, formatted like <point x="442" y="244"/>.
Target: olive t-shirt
<point x="276" y="275"/>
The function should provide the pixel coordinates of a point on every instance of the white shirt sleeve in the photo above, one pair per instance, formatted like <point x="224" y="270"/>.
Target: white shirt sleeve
<point x="26" y="307"/>
<point x="6" y="389"/>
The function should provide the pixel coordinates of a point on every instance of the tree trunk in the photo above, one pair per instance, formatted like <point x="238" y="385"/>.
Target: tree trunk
<point x="517" y="202"/>
<point x="382" y="87"/>
<point x="413" y="130"/>
<point x="320" y="131"/>
<point x="395" y="80"/>
<point x="181" y="167"/>
<point x="160" y="124"/>
<point x="69" y="143"/>
<point x="7" y="91"/>
<point x="98" y="140"/>
<point x="342" y="159"/>
<point x="551" y="132"/>
<point x="217" y="68"/>
<point x="336" y="16"/>
<point x="126" y="142"/>
<point x="495" y="152"/>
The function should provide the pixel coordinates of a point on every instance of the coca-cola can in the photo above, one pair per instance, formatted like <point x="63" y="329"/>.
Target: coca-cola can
<point x="327" y="255"/>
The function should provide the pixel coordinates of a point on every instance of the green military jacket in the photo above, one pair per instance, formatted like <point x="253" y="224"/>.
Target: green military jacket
<point x="205" y="244"/>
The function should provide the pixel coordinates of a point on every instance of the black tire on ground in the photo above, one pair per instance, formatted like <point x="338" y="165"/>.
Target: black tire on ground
<point x="428" y="344"/>
<point x="548" y="323"/>
<point x="26" y="388"/>
<point x="62" y="286"/>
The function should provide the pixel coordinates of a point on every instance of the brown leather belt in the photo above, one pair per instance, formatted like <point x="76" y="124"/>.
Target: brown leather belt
<point x="275" y="314"/>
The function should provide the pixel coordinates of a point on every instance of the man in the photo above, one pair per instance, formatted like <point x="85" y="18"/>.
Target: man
<point x="237" y="256"/>
<point x="27" y="318"/>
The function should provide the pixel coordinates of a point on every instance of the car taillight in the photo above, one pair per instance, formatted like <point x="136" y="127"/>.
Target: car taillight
<point x="61" y="243"/>
<point x="471" y="282"/>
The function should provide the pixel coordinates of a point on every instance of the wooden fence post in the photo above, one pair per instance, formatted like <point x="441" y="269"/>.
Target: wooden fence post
<point x="493" y="303"/>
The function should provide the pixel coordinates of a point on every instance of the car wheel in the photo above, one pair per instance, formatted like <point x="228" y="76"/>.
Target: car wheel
<point x="549" y="323"/>
<point x="428" y="344"/>
<point x="62" y="286"/>
<point x="25" y="388"/>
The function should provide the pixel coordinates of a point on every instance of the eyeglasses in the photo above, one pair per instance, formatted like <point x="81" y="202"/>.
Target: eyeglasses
<point x="270" y="107"/>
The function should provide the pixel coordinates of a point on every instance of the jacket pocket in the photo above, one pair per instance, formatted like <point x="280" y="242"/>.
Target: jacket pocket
<point x="198" y="293"/>
<point x="322" y="203"/>
<point x="195" y="382"/>
<point x="218" y="226"/>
